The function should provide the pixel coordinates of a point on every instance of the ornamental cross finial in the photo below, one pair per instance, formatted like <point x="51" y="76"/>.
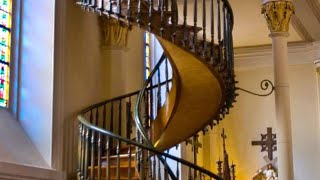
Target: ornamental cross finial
<point x="224" y="137"/>
<point x="268" y="143"/>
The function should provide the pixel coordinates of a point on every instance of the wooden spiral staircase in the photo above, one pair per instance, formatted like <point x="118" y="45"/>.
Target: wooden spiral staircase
<point x="199" y="94"/>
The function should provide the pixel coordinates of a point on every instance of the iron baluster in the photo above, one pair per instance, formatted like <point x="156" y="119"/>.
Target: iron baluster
<point x="129" y="162"/>
<point x="224" y="38"/>
<point x="79" y="148"/>
<point x="150" y="15"/>
<point x="195" y="35"/>
<point x="162" y="23"/>
<point x="128" y="107"/>
<point x="189" y="174"/>
<point x="159" y="170"/>
<point x="159" y="92"/>
<point x="185" y="35"/>
<point x="118" y="9"/>
<point x="174" y="19"/>
<point x="83" y="151"/>
<point x="219" y="33"/>
<point x="178" y="174"/>
<point x="120" y="118"/>
<point x="139" y="21"/>
<point x="111" y="122"/>
<point x="92" y="174"/>
<point x="108" y="157"/>
<point x="129" y="19"/>
<point x="167" y="75"/>
<point x="212" y="53"/>
<point x="86" y="158"/>
<point x="118" y="159"/>
<point x="99" y="156"/>
<point x="204" y="50"/>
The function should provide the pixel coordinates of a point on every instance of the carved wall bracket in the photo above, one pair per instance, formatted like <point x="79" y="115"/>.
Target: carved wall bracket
<point x="264" y="85"/>
<point x="114" y="33"/>
<point x="278" y="14"/>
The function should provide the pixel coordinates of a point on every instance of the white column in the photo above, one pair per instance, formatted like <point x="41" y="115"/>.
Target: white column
<point x="277" y="14"/>
<point x="282" y="104"/>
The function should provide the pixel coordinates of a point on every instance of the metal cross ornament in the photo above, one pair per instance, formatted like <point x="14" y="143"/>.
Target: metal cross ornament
<point x="268" y="143"/>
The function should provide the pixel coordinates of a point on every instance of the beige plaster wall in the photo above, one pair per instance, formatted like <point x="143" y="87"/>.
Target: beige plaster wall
<point x="93" y="73"/>
<point x="252" y="115"/>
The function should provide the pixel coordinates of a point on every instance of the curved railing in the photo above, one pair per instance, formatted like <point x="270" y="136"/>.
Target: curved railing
<point x="100" y="132"/>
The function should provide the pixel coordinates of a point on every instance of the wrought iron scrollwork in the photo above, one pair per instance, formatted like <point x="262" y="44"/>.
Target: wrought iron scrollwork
<point x="265" y="85"/>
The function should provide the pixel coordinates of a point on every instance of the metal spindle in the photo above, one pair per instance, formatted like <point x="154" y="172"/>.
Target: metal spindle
<point x="162" y="23"/>
<point x="151" y="101"/>
<point x="86" y="154"/>
<point x="189" y="174"/>
<point x="195" y="17"/>
<point x="159" y="91"/>
<point x="149" y="165"/>
<point x="154" y="168"/>
<point x="178" y="172"/>
<point x="219" y="33"/>
<point x="159" y="170"/>
<point x="108" y="158"/>
<point x="185" y="13"/>
<point x="128" y="107"/>
<point x="174" y="19"/>
<point x="139" y="21"/>
<point x="99" y="155"/>
<point x="119" y="8"/>
<point x="118" y="159"/>
<point x="212" y="33"/>
<point x="111" y="122"/>
<point x="79" y="148"/>
<point x="129" y="162"/>
<point x="167" y="75"/>
<point x="204" y="50"/>
<point x="93" y="150"/>
<point x="224" y="36"/>
<point x="120" y="118"/>
<point x="83" y="148"/>
<point x="110" y="7"/>
<point x="129" y="13"/>
<point x="100" y="9"/>
<point x="150" y="15"/>
<point x="159" y="5"/>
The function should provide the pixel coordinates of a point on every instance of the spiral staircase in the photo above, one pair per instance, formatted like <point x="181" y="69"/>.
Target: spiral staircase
<point x="128" y="137"/>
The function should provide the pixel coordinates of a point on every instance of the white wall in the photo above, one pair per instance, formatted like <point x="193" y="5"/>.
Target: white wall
<point x="251" y="116"/>
<point x="36" y="73"/>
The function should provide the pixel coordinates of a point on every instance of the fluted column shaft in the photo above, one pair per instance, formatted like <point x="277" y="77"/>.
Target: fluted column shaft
<point x="278" y="14"/>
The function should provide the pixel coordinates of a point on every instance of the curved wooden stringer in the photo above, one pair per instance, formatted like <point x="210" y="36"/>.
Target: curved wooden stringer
<point x="195" y="99"/>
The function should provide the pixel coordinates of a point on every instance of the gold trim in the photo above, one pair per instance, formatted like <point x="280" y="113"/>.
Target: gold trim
<point x="278" y="14"/>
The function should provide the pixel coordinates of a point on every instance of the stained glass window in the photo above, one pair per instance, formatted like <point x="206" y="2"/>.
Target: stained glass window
<point x="147" y="54"/>
<point x="5" y="42"/>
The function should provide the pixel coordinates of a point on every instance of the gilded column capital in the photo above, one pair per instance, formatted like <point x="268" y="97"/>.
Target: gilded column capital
<point x="317" y="63"/>
<point x="278" y="14"/>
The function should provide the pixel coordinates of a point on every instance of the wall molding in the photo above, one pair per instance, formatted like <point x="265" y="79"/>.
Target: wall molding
<point x="315" y="7"/>
<point x="261" y="56"/>
<point x="10" y="171"/>
<point x="301" y="30"/>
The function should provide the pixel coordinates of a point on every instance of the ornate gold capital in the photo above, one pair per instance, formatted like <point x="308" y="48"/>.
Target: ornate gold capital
<point x="114" y="33"/>
<point x="278" y="14"/>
